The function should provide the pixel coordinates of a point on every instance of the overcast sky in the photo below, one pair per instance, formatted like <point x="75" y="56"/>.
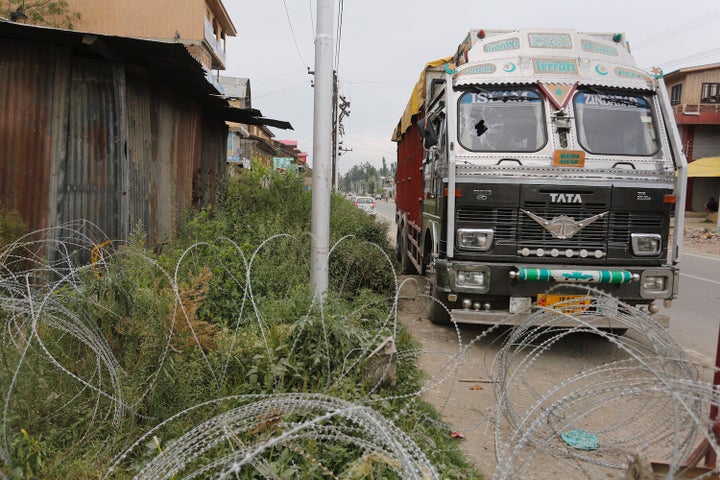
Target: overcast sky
<point x="384" y="44"/>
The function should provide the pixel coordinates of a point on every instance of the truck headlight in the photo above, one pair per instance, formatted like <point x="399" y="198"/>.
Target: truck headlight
<point x="656" y="284"/>
<point x="646" y="244"/>
<point x="479" y="239"/>
<point x="472" y="278"/>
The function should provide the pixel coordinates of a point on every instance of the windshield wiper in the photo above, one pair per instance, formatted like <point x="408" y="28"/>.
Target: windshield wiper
<point x="512" y="98"/>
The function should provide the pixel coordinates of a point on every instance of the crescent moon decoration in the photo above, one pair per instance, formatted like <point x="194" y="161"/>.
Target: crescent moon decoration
<point x="449" y="69"/>
<point x="509" y="67"/>
<point x="601" y="70"/>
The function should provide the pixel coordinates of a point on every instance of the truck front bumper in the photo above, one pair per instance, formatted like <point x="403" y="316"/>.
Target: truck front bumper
<point x="489" y="293"/>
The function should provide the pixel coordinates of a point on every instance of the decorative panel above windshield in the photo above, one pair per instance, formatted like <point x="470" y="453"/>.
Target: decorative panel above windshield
<point x="502" y="120"/>
<point x="612" y="123"/>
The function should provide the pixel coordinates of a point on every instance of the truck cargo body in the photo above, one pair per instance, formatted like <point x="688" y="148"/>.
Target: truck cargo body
<point x="533" y="159"/>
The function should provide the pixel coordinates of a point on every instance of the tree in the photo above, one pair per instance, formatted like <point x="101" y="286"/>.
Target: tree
<point x="363" y="178"/>
<point x="48" y="13"/>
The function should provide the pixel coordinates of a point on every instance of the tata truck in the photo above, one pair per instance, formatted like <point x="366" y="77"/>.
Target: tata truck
<point x="533" y="164"/>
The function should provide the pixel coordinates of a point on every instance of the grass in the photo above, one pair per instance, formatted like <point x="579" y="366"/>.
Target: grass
<point x="159" y="342"/>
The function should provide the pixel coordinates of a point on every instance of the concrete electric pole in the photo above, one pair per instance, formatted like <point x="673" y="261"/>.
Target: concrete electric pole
<point x="322" y="148"/>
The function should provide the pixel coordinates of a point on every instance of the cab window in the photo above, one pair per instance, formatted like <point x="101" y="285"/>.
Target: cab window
<point x="615" y="123"/>
<point x="501" y="120"/>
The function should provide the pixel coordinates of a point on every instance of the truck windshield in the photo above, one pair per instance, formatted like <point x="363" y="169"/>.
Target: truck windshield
<point x="615" y="123"/>
<point x="507" y="120"/>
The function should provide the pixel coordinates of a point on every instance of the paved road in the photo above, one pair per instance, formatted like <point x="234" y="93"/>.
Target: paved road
<point x="695" y="315"/>
<point x="385" y="210"/>
<point x="386" y="213"/>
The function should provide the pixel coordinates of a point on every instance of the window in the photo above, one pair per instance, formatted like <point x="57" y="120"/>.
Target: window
<point x="710" y="93"/>
<point x="615" y="123"/>
<point x="676" y="94"/>
<point x="502" y="120"/>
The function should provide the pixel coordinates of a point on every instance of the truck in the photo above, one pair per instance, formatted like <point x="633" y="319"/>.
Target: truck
<point x="534" y="163"/>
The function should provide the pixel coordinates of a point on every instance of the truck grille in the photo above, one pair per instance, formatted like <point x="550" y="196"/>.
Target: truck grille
<point x="503" y="220"/>
<point x="532" y="235"/>
<point x="514" y="226"/>
<point x="624" y="223"/>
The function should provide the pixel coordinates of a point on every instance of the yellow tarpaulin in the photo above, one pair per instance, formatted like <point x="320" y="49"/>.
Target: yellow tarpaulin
<point x="704" y="167"/>
<point x="416" y="99"/>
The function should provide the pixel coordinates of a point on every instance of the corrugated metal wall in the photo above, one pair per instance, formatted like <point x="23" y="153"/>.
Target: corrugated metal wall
<point x="33" y="105"/>
<point x="95" y="164"/>
<point x="81" y="139"/>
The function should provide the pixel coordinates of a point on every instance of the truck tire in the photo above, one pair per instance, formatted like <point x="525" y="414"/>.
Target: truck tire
<point x="618" y="332"/>
<point x="437" y="313"/>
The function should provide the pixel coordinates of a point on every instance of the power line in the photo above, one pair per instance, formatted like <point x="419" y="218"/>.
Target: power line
<point x="284" y="89"/>
<point x="672" y="32"/>
<point x="292" y="31"/>
<point x="691" y="58"/>
<point x="339" y="35"/>
<point x="312" y="20"/>
<point x="370" y="146"/>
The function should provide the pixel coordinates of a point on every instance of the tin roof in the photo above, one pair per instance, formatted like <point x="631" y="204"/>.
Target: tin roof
<point x="168" y="62"/>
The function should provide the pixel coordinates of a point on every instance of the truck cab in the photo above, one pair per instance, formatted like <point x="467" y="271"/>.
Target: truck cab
<point x="539" y="165"/>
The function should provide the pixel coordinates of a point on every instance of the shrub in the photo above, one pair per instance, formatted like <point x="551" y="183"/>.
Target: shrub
<point x="227" y="309"/>
<point x="12" y="226"/>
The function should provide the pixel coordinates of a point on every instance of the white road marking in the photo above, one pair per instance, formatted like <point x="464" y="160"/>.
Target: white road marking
<point x="695" y="277"/>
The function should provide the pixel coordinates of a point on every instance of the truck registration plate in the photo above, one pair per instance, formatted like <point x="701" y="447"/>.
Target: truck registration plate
<point x="570" y="303"/>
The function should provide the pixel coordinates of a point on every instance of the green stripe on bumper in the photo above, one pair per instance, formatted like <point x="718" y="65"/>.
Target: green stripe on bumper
<point x="578" y="276"/>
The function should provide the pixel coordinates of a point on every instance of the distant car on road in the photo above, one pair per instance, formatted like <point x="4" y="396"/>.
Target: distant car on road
<point x="366" y="203"/>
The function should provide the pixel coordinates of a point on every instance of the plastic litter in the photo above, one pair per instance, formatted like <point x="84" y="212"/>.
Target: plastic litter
<point x="580" y="439"/>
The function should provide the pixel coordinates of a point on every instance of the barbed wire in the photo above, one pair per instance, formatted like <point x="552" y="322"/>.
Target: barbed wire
<point x="647" y="402"/>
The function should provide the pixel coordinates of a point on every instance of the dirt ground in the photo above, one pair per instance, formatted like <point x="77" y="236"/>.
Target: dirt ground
<point x="462" y="377"/>
<point x="701" y="235"/>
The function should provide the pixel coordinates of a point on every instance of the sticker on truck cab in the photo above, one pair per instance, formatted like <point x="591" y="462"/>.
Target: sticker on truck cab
<point x="569" y="158"/>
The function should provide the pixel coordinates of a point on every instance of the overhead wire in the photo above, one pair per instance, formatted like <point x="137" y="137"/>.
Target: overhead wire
<point x="678" y="30"/>
<point x="312" y="19"/>
<point x="370" y="146"/>
<point x="692" y="58"/>
<point x="338" y="40"/>
<point x="292" y="31"/>
<point x="685" y="27"/>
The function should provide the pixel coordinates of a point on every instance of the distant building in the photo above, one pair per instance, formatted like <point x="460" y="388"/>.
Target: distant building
<point x="255" y="142"/>
<point x="695" y="96"/>
<point x="291" y="147"/>
<point x="202" y="25"/>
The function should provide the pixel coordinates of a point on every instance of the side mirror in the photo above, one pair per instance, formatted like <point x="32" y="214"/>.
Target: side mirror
<point x="427" y="133"/>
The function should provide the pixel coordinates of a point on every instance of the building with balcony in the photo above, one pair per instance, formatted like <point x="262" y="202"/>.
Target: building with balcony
<point x="695" y="97"/>
<point x="248" y="142"/>
<point x="202" y="25"/>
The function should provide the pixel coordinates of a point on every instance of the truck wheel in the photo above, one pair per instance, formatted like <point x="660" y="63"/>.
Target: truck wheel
<point x="618" y="332"/>
<point x="437" y="313"/>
